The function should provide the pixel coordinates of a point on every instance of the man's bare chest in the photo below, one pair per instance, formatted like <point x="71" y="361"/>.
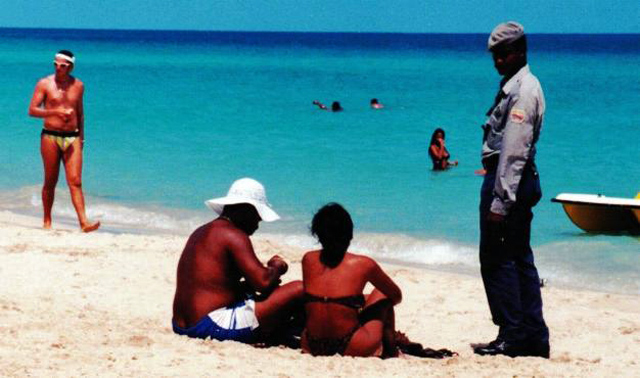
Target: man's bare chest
<point x="60" y="95"/>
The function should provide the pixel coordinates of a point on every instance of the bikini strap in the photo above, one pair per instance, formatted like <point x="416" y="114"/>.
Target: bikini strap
<point x="353" y="301"/>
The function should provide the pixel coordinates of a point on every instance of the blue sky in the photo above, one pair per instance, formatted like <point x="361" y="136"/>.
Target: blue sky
<point x="408" y="16"/>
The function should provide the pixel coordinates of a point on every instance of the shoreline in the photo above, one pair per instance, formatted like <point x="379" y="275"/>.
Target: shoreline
<point x="464" y="268"/>
<point x="77" y="304"/>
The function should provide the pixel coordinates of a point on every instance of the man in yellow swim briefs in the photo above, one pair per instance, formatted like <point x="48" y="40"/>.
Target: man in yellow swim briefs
<point x="58" y="99"/>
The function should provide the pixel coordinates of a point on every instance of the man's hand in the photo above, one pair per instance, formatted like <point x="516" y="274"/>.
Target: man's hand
<point x="493" y="217"/>
<point x="496" y="231"/>
<point x="277" y="263"/>
<point x="65" y="114"/>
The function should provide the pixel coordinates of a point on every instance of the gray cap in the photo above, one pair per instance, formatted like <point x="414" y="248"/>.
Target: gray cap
<point x="506" y="32"/>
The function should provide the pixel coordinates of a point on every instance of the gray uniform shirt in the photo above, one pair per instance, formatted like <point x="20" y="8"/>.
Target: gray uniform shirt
<point x="512" y="130"/>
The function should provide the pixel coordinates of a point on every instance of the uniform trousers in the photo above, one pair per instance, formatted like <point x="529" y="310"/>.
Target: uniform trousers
<point x="509" y="274"/>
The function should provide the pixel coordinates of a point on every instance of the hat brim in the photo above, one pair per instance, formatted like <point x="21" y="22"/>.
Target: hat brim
<point x="266" y="213"/>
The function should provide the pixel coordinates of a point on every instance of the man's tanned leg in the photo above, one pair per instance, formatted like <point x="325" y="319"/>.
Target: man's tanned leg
<point x="73" y="170"/>
<point x="51" y="161"/>
<point x="278" y="307"/>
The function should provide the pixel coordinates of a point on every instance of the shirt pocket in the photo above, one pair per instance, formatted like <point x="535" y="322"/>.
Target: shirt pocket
<point x="496" y="124"/>
<point x="497" y="119"/>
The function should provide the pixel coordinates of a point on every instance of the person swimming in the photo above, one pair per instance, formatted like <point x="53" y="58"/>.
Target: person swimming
<point x="335" y="106"/>
<point x="374" y="104"/>
<point x="319" y="105"/>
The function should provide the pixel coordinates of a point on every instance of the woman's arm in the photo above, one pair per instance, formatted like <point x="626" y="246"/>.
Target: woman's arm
<point x="436" y="151"/>
<point x="381" y="281"/>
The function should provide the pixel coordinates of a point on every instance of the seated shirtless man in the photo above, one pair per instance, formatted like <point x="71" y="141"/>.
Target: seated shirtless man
<point x="58" y="99"/>
<point x="219" y="274"/>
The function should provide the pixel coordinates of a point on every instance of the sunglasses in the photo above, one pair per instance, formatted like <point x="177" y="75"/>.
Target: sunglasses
<point x="61" y="65"/>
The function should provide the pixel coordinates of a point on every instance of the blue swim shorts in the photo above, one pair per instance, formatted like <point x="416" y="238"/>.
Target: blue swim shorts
<point x="235" y="322"/>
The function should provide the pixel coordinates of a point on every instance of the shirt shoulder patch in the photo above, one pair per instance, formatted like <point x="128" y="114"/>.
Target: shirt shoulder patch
<point x="517" y="115"/>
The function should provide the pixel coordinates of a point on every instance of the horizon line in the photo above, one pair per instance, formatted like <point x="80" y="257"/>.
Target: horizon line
<point x="295" y="32"/>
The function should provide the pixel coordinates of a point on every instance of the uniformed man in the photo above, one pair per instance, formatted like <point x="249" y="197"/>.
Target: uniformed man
<point x="510" y="189"/>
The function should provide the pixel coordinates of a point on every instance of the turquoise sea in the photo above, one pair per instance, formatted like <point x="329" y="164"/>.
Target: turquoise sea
<point x="172" y="118"/>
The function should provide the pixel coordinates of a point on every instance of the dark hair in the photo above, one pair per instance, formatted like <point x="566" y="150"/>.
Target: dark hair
<point x="336" y="106"/>
<point x="374" y="100"/>
<point x="333" y="227"/>
<point x="66" y="52"/>
<point x="433" y="136"/>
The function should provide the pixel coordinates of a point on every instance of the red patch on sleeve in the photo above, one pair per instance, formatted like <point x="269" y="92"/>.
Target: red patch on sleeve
<point x="517" y="115"/>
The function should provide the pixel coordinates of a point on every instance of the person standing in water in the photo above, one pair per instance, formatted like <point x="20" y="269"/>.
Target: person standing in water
<point x="438" y="152"/>
<point x="58" y="100"/>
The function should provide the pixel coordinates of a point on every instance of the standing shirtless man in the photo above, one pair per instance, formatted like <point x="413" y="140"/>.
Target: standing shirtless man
<point x="58" y="99"/>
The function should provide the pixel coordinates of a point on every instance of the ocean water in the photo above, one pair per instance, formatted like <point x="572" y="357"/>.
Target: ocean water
<point x="172" y="118"/>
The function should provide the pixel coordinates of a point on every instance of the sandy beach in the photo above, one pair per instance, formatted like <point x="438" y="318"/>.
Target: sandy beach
<point x="77" y="304"/>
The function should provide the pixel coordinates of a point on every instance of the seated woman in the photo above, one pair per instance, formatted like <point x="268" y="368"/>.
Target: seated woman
<point x="340" y="319"/>
<point x="438" y="152"/>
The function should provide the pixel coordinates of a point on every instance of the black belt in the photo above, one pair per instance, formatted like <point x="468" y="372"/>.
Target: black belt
<point x="63" y="134"/>
<point x="491" y="163"/>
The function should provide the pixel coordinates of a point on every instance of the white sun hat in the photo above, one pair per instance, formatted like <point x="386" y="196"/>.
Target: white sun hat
<point x="245" y="190"/>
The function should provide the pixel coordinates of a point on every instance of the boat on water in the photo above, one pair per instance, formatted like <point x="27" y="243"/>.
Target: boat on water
<point x="600" y="214"/>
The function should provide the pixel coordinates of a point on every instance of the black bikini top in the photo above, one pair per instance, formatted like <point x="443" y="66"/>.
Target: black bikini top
<point x="355" y="302"/>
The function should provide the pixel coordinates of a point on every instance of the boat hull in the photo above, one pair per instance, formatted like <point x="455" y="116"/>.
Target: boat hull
<point x="598" y="214"/>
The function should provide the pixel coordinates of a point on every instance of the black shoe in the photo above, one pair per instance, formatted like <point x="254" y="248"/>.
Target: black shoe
<point x="514" y="350"/>
<point x="486" y="345"/>
<point x="538" y="349"/>
<point x="499" y="347"/>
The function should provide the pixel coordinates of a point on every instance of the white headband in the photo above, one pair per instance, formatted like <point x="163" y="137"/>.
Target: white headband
<point x="69" y="59"/>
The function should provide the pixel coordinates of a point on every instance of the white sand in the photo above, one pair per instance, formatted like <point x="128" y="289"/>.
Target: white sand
<point x="75" y="304"/>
